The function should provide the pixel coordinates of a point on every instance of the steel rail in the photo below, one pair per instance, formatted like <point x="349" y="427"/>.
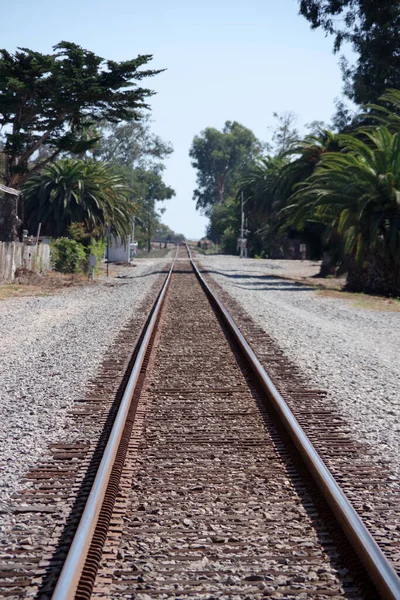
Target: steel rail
<point x="70" y="575"/>
<point x="378" y="567"/>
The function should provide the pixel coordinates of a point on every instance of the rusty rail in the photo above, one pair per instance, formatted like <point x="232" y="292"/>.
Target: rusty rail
<point x="376" y="564"/>
<point x="68" y="581"/>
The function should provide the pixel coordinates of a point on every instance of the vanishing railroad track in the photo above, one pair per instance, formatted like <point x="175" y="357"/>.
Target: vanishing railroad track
<point x="207" y="486"/>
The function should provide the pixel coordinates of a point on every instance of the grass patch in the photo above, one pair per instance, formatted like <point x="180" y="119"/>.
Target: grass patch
<point x="154" y="253"/>
<point x="364" y="300"/>
<point x="12" y="290"/>
<point x="28" y="283"/>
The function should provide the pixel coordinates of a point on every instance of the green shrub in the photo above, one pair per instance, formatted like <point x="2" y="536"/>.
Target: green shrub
<point x="68" y="256"/>
<point x="229" y="241"/>
<point x="97" y="248"/>
<point x="77" y="232"/>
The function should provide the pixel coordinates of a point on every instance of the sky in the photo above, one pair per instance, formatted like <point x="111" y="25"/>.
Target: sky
<point x="224" y="60"/>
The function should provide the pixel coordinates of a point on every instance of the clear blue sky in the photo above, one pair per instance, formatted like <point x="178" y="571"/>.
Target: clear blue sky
<point x="225" y="60"/>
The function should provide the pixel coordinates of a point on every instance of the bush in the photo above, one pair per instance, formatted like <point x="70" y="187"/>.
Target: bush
<point x="229" y="241"/>
<point x="97" y="248"/>
<point x="68" y="256"/>
<point x="77" y="232"/>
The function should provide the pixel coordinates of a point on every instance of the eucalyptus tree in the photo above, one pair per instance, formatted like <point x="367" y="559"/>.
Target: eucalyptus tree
<point x="372" y="29"/>
<point x="220" y="158"/>
<point x="148" y="188"/>
<point x="48" y="100"/>
<point x="131" y="144"/>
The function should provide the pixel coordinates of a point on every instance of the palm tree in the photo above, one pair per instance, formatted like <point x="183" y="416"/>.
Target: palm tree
<point x="307" y="153"/>
<point x="357" y="191"/>
<point x="262" y="202"/>
<point x="388" y="112"/>
<point x="72" y="190"/>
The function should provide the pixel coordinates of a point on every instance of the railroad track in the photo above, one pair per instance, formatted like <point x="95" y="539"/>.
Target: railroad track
<point x="207" y="487"/>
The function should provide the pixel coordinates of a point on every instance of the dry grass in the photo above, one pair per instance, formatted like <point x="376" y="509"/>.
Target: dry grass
<point x="28" y="283"/>
<point x="363" y="300"/>
<point x="11" y="290"/>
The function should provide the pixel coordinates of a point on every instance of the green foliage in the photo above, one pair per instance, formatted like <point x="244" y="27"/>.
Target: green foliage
<point x="224" y="216"/>
<point x="149" y="185"/>
<point x="131" y="144"/>
<point x="220" y="158"/>
<point x="49" y="99"/>
<point x="284" y="133"/>
<point x="387" y="112"/>
<point x="259" y="186"/>
<point x="67" y="256"/>
<point x="73" y="190"/>
<point x="77" y="232"/>
<point x="97" y="248"/>
<point x="49" y="104"/>
<point x="357" y="192"/>
<point x="148" y="188"/>
<point x="372" y="28"/>
<point x="229" y="241"/>
<point x="305" y="155"/>
<point x="166" y="234"/>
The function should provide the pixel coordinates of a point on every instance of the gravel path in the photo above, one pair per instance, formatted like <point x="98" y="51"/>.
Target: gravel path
<point x="351" y="352"/>
<point x="50" y="347"/>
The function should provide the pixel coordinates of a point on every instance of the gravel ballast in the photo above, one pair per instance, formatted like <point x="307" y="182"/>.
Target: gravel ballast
<point x="351" y="352"/>
<point x="50" y="348"/>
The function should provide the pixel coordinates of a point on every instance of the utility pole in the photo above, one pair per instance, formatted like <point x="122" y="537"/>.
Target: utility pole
<point x="108" y="250"/>
<point x="242" y="231"/>
<point x="148" y="226"/>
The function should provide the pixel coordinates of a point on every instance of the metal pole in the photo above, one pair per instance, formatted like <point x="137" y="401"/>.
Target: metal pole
<point x="148" y="226"/>
<point x="38" y="233"/>
<point x="242" y="231"/>
<point x="108" y="250"/>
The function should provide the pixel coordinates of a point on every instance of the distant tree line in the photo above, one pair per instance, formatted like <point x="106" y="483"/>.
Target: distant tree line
<point x="337" y="193"/>
<point x="337" y="189"/>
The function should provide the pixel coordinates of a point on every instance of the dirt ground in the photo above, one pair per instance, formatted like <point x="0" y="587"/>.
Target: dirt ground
<point x="28" y="283"/>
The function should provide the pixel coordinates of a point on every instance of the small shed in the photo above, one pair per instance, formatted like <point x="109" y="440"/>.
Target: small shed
<point x="119" y="251"/>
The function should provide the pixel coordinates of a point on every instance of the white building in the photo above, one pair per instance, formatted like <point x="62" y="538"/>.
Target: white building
<point x="120" y="251"/>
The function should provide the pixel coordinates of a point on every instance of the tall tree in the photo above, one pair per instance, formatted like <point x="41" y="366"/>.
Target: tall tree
<point x="149" y="187"/>
<point x="220" y="157"/>
<point x="131" y="144"/>
<point x="49" y="99"/>
<point x="372" y="28"/>
<point x="284" y="133"/>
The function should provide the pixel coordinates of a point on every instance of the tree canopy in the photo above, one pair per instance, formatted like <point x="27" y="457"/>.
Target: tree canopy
<point x="148" y="188"/>
<point x="220" y="157"/>
<point x="76" y="191"/>
<point x="357" y="191"/>
<point x="372" y="28"/>
<point x="130" y="144"/>
<point x="50" y="99"/>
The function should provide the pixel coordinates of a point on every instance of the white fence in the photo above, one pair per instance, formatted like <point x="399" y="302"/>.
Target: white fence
<point x="14" y="255"/>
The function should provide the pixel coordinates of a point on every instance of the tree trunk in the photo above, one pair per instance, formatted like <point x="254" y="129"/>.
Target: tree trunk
<point x="9" y="222"/>
<point x="327" y="267"/>
<point x="220" y="185"/>
<point x="375" y="276"/>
